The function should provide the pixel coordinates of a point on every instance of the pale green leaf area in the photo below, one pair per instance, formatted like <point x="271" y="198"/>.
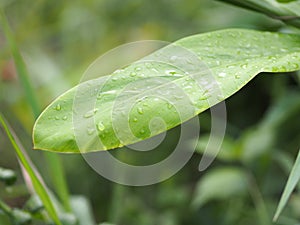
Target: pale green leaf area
<point x="174" y="84"/>
<point x="233" y="183"/>
<point x="290" y="186"/>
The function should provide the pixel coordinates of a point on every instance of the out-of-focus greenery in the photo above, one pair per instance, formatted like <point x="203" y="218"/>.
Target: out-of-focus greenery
<point x="59" y="39"/>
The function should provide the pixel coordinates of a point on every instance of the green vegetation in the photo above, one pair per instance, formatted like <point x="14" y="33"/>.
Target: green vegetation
<point x="51" y="43"/>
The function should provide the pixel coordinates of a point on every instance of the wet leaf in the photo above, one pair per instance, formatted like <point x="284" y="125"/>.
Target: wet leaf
<point x="174" y="84"/>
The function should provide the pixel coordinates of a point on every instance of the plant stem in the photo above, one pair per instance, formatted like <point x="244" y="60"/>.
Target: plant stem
<point x="36" y="181"/>
<point x="20" y="65"/>
<point x="5" y="208"/>
<point x="262" y="212"/>
<point x="115" y="207"/>
<point x="53" y="161"/>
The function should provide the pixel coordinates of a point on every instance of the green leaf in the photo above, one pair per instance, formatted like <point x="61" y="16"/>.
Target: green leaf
<point x="228" y="150"/>
<point x="286" y="10"/>
<point x="220" y="184"/>
<point x="174" y="83"/>
<point x="290" y="186"/>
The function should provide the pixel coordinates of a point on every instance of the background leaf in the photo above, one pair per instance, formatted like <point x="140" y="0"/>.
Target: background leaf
<point x="286" y="10"/>
<point x="220" y="184"/>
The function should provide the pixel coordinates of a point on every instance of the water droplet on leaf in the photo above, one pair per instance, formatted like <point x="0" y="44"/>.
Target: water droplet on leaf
<point x="140" y="110"/>
<point x="222" y="74"/>
<point x="57" y="107"/>
<point x="90" y="113"/>
<point x="100" y="126"/>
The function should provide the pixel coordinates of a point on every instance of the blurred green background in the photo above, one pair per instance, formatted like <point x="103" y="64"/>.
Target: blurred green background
<point x="59" y="39"/>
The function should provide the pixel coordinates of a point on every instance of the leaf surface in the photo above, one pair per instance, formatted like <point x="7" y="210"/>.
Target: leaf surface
<point x="174" y="84"/>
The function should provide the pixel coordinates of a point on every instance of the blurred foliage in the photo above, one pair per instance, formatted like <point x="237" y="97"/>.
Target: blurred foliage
<point x="59" y="39"/>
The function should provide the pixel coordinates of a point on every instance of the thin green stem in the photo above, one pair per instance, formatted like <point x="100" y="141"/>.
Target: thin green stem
<point x="5" y="208"/>
<point x="53" y="161"/>
<point x="261" y="209"/>
<point x="58" y="179"/>
<point x="37" y="183"/>
<point x="20" y="65"/>
<point x="115" y="207"/>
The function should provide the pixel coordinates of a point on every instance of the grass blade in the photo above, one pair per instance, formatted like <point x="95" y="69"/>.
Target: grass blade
<point x="290" y="186"/>
<point x="53" y="161"/>
<point x="20" y="65"/>
<point x="38" y="185"/>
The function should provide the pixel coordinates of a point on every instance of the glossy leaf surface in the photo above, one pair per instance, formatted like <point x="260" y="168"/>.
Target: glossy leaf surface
<point x="173" y="84"/>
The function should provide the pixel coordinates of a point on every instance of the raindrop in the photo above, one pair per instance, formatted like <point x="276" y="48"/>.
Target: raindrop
<point x="119" y="71"/>
<point x="237" y="76"/>
<point x="57" y="107"/>
<point x="57" y="118"/>
<point x="222" y="74"/>
<point x="140" y="110"/>
<point x="142" y="131"/>
<point x="132" y="74"/>
<point x="148" y="65"/>
<point x="90" y="113"/>
<point x="137" y="69"/>
<point x="230" y="67"/>
<point x="135" y="119"/>
<point x="169" y="105"/>
<point x="65" y="118"/>
<point x="100" y="126"/>
<point x="244" y="66"/>
<point x="170" y="72"/>
<point x="220" y="97"/>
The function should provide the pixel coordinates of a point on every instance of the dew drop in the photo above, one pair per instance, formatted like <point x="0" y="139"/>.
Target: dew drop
<point x="169" y="105"/>
<point x="222" y="74"/>
<point x="148" y="65"/>
<point x="100" y="126"/>
<point x="119" y="71"/>
<point x="170" y="72"/>
<point x="220" y="97"/>
<point x="244" y="66"/>
<point x="230" y="66"/>
<point x="56" y="118"/>
<point x="90" y="113"/>
<point x="237" y="76"/>
<point x="140" y="110"/>
<point x="137" y="69"/>
<point x="65" y="118"/>
<point x="135" y="119"/>
<point x="132" y="74"/>
<point x="142" y="131"/>
<point x="57" y="107"/>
